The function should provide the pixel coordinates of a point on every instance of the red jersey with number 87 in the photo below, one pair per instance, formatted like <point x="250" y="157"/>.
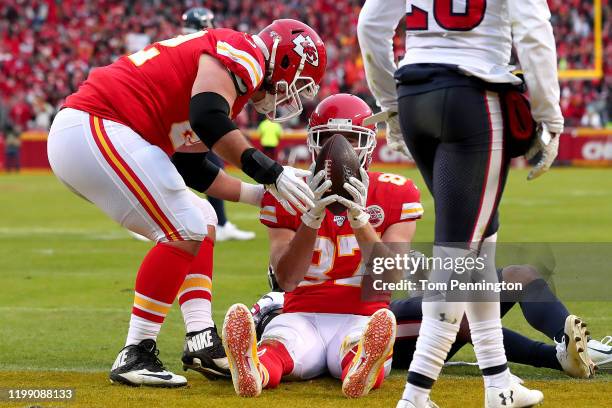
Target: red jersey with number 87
<point x="333" y="281"/>
<point x="150" y="90"/>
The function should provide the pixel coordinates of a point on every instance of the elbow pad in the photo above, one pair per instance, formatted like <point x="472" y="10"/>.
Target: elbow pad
<point x="209" y="116"/>
<point x="195" y="168"/>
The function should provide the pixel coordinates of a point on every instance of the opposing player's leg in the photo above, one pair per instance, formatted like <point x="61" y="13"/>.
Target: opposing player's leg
<point x="468" y="170"/>
<point x="136" y="185"/>
<point x="547" y="314"/>
<point x="364" y="362"/>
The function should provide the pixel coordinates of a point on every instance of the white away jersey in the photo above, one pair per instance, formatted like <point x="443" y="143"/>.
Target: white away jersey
<point x="475" y="35"/>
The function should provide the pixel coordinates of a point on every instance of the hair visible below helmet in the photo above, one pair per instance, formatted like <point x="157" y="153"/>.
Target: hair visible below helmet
<point x="196" y="19"/>
<point x="343" y="114"/>
<point x="296" y="63"/>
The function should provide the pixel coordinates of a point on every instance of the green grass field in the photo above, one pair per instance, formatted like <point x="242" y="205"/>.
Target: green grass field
<point x="66" y="287"/>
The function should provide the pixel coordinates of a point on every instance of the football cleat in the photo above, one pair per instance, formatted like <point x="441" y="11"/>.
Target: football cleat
<point x="230" y="231"/>
<point x="375" y="347"/>
<point x="572" y="350"/>
<point x="515" y="396"/>
<point x="241" y="348"/>
<point x="407" y="404"/>
<point x="601" y="353"/>
<point x="138" y="364"/>
<point x="203" y="352"/>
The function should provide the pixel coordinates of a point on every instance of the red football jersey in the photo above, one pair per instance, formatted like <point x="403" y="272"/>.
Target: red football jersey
<point x="333" y="282"/>
<point x="150" y="90"/>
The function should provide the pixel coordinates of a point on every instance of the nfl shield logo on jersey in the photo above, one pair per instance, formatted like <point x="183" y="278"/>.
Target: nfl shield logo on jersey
<point x="339" y="220"/>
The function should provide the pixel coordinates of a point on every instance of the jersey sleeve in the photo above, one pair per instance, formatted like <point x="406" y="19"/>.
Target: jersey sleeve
<point x="240" y="55"/>
<point x="378" y="20"/>
<point x="404" y="202"/>
<point x="273" y="215"/>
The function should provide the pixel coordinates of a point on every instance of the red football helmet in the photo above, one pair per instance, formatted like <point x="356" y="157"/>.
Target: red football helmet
<point x="296" y="64"/>
<point x="343" y="114"/>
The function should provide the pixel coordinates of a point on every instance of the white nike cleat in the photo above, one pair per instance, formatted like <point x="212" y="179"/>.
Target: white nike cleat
<point x="572" y="350"/>
<point x="601" y="353"/>
<point x="138" y="364"/>
<point x="516" y="396"/>
<point x="375" y="347"/>
<point x="229" y="232"/>
<point x="407" y="404"/>
<point x="240" y="346"/>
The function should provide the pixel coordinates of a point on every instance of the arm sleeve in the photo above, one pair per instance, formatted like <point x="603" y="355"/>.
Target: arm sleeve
<point x="535" y="45"/>
<point x="375" y="30"/>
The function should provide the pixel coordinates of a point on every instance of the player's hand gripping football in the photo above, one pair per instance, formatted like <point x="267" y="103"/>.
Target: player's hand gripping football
<point x="314" y="217"/>
<point x="289" y="188"/>
<point x="357" y="215"/>
<point x="395" y="139"/>
<point x="548" y="144"/>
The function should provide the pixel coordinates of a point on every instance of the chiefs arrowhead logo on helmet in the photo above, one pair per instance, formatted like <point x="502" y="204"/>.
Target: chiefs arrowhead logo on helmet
<point x="304" y="46"/>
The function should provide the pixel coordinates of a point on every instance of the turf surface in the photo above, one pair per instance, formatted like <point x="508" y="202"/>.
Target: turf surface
<point x="67" y="272"/>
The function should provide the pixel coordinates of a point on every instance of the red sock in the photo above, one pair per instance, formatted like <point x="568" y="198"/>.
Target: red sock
<point x="159" y="278"/>
<point x="346" y="363"/>
<point x="347" y="359"/>
<point x="195" y="293"/>
<point x="277" y="361"/>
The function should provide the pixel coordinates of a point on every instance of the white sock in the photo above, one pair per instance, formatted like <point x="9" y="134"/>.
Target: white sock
<point x="434" y="341"/>
<point x="488" y="341"/>
<point x="502" y="380"/>
<point x="141" y="329"/>
<point x="197" y="315"/>
<point x="417" y="395"/>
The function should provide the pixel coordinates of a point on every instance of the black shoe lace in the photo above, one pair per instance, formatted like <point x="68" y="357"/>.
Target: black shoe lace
<point x="152" y="357"/>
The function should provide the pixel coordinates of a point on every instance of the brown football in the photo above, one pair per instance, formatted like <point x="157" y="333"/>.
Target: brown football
<point x="340" y="162"/>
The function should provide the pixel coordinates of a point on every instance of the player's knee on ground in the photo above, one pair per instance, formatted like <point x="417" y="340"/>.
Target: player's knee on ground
<point x="523" y="274"/>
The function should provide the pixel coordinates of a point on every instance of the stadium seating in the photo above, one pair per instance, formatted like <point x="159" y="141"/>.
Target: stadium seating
<point x="47" y="47"/>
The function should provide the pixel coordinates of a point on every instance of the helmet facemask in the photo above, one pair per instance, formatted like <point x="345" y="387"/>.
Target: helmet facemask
<point x="361" y="138"/>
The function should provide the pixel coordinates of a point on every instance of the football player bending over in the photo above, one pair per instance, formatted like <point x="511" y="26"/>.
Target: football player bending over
<point x="327" y="327"/>
<point x="540" y="307"/>
<point x="111" y="144"/>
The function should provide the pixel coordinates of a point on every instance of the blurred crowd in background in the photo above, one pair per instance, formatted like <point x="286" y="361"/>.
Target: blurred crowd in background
<point x="47" y="48"/>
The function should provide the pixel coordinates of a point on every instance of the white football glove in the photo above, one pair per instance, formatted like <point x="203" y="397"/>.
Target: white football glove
<point x="548" y="144"/>
<point x="357" y="215"/>
<point x="289" y="188"/>
<point x="314" y="217"/>
<point x="395" y="138"/>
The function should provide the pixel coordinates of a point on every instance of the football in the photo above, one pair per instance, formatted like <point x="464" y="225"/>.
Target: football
<point x="340" y="162"/>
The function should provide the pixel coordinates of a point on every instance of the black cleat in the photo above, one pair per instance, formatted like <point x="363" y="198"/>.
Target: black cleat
<point x="138" y="365"/>
<point x="204" y="353"/>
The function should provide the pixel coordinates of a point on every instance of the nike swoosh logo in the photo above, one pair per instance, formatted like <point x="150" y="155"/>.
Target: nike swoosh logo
<point x="601" y="351"/>
<point x="160" y="376"/>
